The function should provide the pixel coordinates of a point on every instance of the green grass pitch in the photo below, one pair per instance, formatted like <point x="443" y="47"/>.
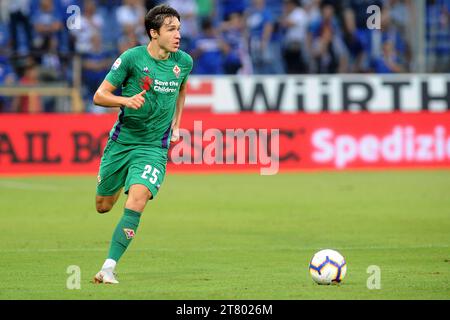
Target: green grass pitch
<point x="232" y="236"/>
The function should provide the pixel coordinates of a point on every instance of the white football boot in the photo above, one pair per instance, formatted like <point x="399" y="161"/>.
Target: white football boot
<point x="105" y="276"/>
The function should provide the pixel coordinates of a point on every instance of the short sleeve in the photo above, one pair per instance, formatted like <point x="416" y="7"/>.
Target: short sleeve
<point x="189" y="65"/>
<point x="119" y="70"/>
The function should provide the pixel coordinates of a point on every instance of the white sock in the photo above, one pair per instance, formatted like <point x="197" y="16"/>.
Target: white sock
<point x="109" y="264"/>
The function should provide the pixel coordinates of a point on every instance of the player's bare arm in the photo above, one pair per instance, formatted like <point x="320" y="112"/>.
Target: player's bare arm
<point x="179" y="110"/>
<point x="105" y="97"/>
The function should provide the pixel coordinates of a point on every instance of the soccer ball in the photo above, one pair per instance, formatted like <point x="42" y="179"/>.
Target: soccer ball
<point x="327" y="267"/>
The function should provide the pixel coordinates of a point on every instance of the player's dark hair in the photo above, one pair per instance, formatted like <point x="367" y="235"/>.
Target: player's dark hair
<point x="154" y="19"/>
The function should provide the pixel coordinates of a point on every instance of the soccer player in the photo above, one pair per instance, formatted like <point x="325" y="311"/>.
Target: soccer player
<point x="153" y="82"/>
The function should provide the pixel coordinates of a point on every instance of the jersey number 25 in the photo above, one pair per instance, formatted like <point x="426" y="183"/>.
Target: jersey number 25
<point x="154" y="174"/>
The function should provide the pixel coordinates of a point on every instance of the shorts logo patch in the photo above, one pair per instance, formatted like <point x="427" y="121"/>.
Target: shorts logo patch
<point x="99" y="179"/>
<point x="129" y="233"/>
<point x="116" y="64"/>
<point x="176" y="71"/>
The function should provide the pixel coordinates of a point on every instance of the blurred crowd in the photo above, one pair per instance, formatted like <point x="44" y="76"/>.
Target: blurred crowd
<point x="38" y="38"/>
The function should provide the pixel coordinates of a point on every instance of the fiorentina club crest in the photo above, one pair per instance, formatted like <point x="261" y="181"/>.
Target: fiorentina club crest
<point x="176" y="71"/>
<point x="145" y="69"/>
<point x="129" y="233"/>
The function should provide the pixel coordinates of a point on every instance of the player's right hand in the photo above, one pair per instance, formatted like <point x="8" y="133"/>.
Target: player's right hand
<point x="136" y="101"/>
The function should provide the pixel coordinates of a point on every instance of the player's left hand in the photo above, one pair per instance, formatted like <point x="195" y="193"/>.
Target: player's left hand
<point x="175" y="135"/>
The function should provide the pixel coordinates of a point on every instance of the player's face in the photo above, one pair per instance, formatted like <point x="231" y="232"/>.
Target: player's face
<point x="169" y="34"/>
